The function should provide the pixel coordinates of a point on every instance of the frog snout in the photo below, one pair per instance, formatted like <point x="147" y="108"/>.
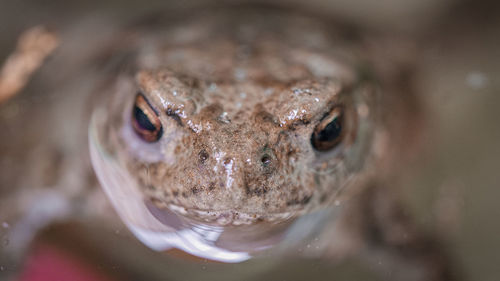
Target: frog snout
<point x="238" y="159"/>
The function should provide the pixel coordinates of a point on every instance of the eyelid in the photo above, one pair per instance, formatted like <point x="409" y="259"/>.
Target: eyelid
<point x="142" y="102"/>
<point x="335" y="113"/>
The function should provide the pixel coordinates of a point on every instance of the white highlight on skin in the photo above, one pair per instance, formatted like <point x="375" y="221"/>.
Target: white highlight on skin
<point x="218" y="157"/>
<point x="292" y="114"/>
<point x="229" y="171"/>
<point x="212" y="87"/>
<point x="163" y="101"/>
<point x="166" y="104"/>
<point x="224" y="117"/>
<point x="197" y="128"/>
<point x="299" y="91"/>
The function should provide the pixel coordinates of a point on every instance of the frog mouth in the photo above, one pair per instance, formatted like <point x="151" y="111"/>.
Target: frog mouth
<point x="229" y="217"/>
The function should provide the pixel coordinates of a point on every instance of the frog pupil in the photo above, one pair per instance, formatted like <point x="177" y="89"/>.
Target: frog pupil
<point x="143" y="120"/>
<point x="331" y="132"/>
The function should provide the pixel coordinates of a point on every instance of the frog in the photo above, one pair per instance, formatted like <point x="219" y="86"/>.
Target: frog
<point x="238" y="130"/>
<point x="244" y="126"/>
<point x="240" y="127"/>
<point x="231" y="126"/>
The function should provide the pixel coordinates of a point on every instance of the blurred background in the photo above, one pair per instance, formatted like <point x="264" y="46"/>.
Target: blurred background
<point x="453" y="188"/>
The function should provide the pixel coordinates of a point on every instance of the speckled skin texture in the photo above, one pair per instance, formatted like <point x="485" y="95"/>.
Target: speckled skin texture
<point x="238" y="96"/>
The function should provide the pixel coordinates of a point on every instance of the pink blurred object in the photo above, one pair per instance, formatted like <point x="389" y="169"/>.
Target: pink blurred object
<point x="47" y="263"/>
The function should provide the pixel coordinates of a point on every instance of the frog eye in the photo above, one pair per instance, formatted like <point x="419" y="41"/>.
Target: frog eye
<point x="329" y="132"/>
<point x="145" y="120"/>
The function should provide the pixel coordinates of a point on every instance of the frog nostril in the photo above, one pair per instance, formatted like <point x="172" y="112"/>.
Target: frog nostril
<point x="266" y="160"/>
<point x="203" y="156"/>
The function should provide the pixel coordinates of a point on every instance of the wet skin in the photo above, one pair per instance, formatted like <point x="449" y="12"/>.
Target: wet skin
<point x="241" y="117"/>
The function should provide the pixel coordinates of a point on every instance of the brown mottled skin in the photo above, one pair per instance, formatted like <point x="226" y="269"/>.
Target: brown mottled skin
<point x="238" y="96"/>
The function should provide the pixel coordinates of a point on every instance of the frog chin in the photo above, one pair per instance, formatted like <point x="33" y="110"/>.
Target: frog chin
<point x="231" y="216"/>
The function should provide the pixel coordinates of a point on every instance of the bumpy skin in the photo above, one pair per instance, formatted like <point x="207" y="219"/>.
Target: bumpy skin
<point x="238" y="96"/>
